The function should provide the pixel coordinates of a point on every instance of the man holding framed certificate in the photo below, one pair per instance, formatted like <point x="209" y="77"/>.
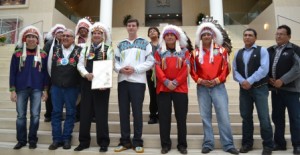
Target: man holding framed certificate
<point x="95" y="66"/>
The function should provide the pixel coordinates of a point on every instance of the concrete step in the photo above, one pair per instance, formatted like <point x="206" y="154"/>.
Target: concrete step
<point x="150" y="140"/>
<point x="114" y="127"/>
<point x="192" y="117"/>
<point x="233" y="99"/>
<point x="6" y="149"/>
<point x="233" y="106"/>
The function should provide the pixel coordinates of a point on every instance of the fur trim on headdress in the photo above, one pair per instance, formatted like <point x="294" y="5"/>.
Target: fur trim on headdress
<point x="103" y="28"/>
<point x="56" y="28"/>
<point x="210" y="28"/>
<point x="180" y="36"/>
<point x="26" y="31"/>
<point x="97" y="26"/>
<point x="29" y="30"/>
<point x="82" y="23"/>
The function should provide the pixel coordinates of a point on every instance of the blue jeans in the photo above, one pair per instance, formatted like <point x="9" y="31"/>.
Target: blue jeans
<point x="61" y="96"/>
<point x="281" y="100"/>
<point x="217" y="96"/>
<point x="35" y="96"/>
<point x="259" y="96"/>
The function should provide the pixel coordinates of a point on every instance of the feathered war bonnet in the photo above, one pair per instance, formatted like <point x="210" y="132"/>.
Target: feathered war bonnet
<point x="55" y="29"/>
<point x="97" y="26"/>
<point x="29" y="30"/>
<point x="51" y="35"/>
<point x="212" y="27"/>
<point x="82" y="23"/>
<point x="181" y="39"/>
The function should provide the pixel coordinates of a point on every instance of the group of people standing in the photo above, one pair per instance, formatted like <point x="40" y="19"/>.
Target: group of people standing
<point x="66" y="66"/>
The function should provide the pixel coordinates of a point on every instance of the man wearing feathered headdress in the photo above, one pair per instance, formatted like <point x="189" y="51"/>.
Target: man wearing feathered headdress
<point x="65" y="89"/>
<point x="209" y="69"/>
<point x="82" y="31"/>
<point x="53" y="37"/>
<point x="28" y="79"/>
<point x="94" y="101"/>
<point x="171" y="68"/>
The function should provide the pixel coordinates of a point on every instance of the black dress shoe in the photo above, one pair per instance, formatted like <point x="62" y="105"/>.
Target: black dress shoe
<point x="103" y="149"/>
<point x="67" y="145"/>
<point x="279" y="148"/>
<point x="182" y="150"/>
<point x="153" y="121"/>
<point x="32" y="145"/>
<point x="233" y="151"/>
<point x="267" y="151"/>
<point x="164" y="150"/>
<point x="296" y="150"/>
<point x="80" y="148"/>
<point x="245" y="149"/>
<point x="205" y="150"/>
<point x="19" y="146"/>
<point x="55" y="145"/>
<point x="47" y="119"/>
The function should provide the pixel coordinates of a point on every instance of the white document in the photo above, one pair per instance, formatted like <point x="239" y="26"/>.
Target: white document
<point x="102" y="71"/>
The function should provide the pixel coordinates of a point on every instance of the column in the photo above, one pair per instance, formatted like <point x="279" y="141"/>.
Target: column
<point x="216" y="10"/>
<point x="106" y="9"/>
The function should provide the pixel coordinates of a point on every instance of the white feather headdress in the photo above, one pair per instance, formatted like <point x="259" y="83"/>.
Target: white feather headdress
<point x="82" y="23"/>
<point x="56" y="28"/>
<point x="26" y="31"/>
<point x="29" y="30"/>
<point x="180" y="35"/>
<point x="208" y="26"/>
<point x="97" y="26"/>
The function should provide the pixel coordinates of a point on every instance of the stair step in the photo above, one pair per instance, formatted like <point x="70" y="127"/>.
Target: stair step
<point x="233" y="107"/>
<point x="114" y="127"/>
<point x="150" y="140"/>
<point x="151" y="132"/>
<point x="6" y="148"/>
<point x="192" y="117"/>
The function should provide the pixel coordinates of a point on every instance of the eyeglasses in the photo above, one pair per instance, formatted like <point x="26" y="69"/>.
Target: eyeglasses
<point x="67" y="36"/>
<point x="280" y="34"/>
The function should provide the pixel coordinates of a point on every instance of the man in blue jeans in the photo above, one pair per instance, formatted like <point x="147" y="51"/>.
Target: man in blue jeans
<point x="250" y="69"/>
<point x="284" y="79"/>
<point x="28" y="79"/>
<point x="209" y="69"/>
<point x="65" y="88"/>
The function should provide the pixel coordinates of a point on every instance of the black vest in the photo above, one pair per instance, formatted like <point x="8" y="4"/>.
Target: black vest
<point x="65" y="75"/>
<point x="285" y="61"/>
<point x="253" y="65"/>
<point x="98" y="56"/>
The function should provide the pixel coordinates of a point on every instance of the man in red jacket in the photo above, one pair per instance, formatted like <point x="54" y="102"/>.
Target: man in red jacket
<point x="172" y="60"/>
<point x="209" y="69"/>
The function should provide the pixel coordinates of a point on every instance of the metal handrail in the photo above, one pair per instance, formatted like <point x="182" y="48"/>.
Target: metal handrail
<point x="235" y="21"/>
<point x="17" y="29"/>
<point x="286" y="18"/>
<point x="40" y="21"/>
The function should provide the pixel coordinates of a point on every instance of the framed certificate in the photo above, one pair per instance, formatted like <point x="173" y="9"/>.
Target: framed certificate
<point x="102" y="71"/>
